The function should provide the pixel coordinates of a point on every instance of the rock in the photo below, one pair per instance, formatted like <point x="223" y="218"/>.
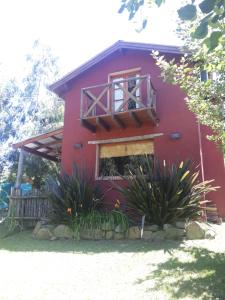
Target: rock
<point x="134" y="233"/>
<point x="147" y="235"/>
<point x="109" y="235"/>
<point x="152" y="228"/>
<point x="63" y="231"/>
<point x="97" y="234"/>
<point x="44" y="234"/>
<point x="118" y="236"/>
<point x="86" y="234"/>
<point x="196" y="230"/>
<point x="37" y="228"/>
<point x="210" y="234"/>
<point x="166" y="226"/>
<point x="180" y="224"/>
<point x="119" y="229"/>
<point x="107" y="226"/>
<point x="174" y="233"/>
<point x="158" y="235"/>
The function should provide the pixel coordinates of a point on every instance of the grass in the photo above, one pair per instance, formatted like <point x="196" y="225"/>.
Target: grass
<point x="89" y="270"/>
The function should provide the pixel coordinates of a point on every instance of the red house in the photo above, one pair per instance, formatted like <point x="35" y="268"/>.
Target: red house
<point x="117" y="106"/>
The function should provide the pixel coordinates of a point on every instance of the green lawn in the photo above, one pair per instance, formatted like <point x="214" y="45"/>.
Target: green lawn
<point x="32" y="269"/>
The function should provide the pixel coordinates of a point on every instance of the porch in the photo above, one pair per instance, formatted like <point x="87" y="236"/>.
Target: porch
<point x="34" y="205"/>
<point x="119" y="104"/>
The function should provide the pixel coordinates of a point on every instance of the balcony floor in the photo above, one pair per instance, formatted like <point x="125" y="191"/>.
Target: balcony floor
<point x="130" y="118"/>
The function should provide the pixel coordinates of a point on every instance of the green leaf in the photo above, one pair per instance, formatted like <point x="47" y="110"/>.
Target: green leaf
<point x="201" y="31"/>
<point x="213" y="41"/>
<point x="187" y="12"/>
<point x="215" y="19"/>
<point x="207" y="6"/>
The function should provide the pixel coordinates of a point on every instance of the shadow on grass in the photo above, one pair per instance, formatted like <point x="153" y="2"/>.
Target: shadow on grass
<point x="23" y="241"/>
<point x="201" y="277"/>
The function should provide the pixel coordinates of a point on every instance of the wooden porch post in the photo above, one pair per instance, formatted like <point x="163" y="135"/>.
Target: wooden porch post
<point x="20" y="169"/>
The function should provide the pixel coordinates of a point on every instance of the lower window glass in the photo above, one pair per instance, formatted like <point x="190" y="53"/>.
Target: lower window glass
<point x="121" y="158"/>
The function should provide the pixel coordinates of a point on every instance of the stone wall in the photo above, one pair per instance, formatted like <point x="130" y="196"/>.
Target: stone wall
<point x="177" y="231"/>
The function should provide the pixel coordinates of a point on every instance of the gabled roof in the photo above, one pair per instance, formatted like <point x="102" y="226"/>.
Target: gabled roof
<point x="60" y="86"/>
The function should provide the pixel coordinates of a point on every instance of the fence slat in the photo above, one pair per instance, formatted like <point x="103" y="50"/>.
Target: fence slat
<point x="36" y="205"/>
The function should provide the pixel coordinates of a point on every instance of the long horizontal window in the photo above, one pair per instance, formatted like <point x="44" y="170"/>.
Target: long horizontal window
<point x="119" y="158"/>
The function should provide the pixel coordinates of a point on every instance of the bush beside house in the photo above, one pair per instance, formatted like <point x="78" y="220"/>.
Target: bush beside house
<point x="165" y="195"/>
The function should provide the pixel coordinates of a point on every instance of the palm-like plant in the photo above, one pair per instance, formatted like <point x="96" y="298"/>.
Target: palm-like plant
<point x="165" y="194"/>
<point x="72" y="195"/>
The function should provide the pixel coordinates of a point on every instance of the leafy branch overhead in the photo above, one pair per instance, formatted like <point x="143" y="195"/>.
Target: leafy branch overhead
<point x="210" y="15"/>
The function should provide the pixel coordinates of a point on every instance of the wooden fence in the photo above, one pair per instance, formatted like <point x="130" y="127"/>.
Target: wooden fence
<point x="32" y="206"/>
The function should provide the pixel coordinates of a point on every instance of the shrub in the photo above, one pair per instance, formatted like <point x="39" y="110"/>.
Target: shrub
<point x="165" y="194"/>
<point x="96" y="220"/>
<point x="71" y="196"/>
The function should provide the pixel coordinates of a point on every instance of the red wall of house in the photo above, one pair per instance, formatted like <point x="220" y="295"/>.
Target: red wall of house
<point x="171" y="110"/>
<point x="213" y="165"/>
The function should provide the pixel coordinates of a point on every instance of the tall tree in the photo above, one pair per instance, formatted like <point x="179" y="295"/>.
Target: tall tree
<point x="27" y="108"/>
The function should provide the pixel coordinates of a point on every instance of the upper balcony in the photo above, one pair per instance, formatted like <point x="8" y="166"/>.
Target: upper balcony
<point x="119" y="103"/>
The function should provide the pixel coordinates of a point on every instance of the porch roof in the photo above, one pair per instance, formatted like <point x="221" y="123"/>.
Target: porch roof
<point x="47" y="145"/>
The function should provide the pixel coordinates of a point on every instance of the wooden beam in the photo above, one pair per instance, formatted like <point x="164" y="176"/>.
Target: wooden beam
<point x="38" y="137"/>
<point x="135" y="118"/>
<point x="56" y="138"/>
<point x="42" y="146"/>
<point x="56" y="142"/>
<point x="41" y="154"/>
<point x="20" y="169"/>
<point x="152" y="116"/>
<point x="88" y="125"/>
<point x="127" y="139"/>
<point x="96" y="101"/>
<point x="54" y="150"/>
<point x="118" y="121"/>
<point x="101" y="122"/>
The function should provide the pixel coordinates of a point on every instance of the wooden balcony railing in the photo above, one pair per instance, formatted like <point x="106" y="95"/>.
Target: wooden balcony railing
<point x="116" y="98"/>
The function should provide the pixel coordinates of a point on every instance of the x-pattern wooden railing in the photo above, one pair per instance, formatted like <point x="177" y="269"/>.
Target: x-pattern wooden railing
<point x="104" y="100"/>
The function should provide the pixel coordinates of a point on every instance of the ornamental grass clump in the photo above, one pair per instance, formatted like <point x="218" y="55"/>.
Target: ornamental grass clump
<point x="71" y="196"/>
<point x="163" y="193"/>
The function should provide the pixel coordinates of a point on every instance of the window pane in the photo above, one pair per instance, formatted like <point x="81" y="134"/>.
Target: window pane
<point x="117" y="105"/>
<point x="118" y="94"/>
<point x="116" y="166"/>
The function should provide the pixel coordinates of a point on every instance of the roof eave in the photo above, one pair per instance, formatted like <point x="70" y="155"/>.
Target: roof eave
<point x="61" y="86"/>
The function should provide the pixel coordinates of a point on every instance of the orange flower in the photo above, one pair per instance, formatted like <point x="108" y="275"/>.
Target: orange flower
<point x="69" y="210"/>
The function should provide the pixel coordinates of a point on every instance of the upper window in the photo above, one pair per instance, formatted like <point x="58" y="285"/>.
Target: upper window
<point x="119" y="158"/>
<point x="125" y="90"/>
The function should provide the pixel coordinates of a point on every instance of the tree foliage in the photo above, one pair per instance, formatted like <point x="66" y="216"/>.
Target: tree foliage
<point x="202" y="28"/>
<point x="205" y="98"/>
<point x="27" y="108"/>
<point x="209" y="14"/>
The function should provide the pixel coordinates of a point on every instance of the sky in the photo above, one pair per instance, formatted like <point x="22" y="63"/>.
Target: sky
<point x="76" y="30"/>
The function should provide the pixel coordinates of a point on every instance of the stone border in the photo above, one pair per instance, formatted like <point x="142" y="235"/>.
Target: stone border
<point x="178" y="231"/>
